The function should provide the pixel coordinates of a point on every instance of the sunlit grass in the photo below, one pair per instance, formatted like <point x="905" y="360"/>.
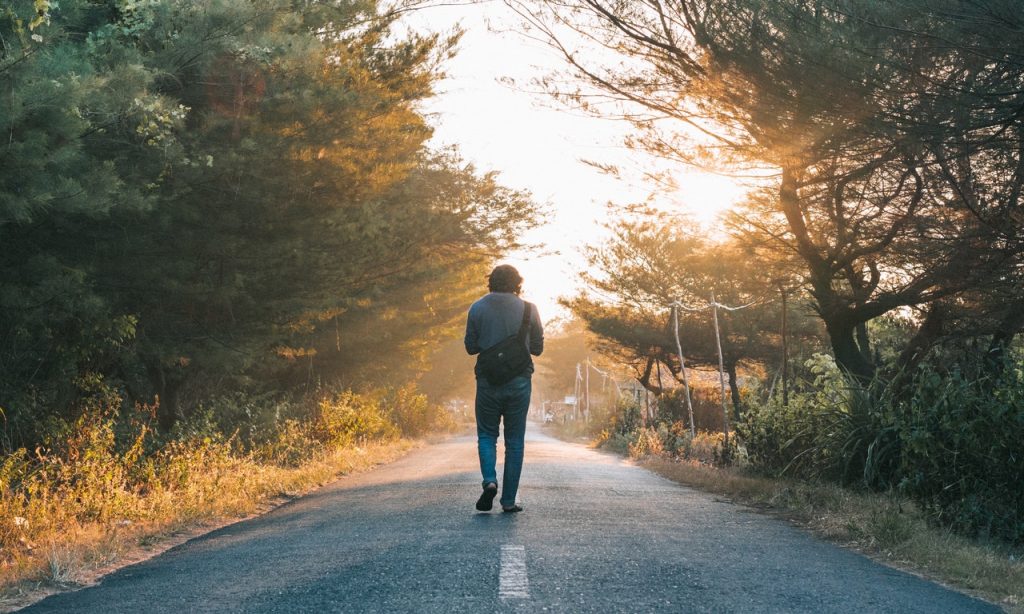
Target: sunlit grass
<point x="62" y="547"/>
<point x="57" y="544"/>
<point x="109" y="488"/>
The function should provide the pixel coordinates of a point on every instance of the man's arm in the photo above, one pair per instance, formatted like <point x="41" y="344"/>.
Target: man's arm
<point x="472" y="334"/>
<point x="536" y="333"/>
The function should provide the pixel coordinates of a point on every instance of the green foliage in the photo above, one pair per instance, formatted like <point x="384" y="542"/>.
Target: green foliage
<point x="628" y="418"/>
<point x="200" y="199"/>
<point x="622" y="426"/>
<point x="65" y="109"/>
<point x="644" y="442"/>
<point x="962" y="456"/>
<point x="949" y="440"/>
<point x="832" y="428"/>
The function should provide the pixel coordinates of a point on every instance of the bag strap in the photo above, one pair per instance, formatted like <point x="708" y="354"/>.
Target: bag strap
<point x="524" y="328"/>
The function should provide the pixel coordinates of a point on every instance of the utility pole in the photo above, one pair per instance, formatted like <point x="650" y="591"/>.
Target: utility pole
<point x="721" y="373"/>
<point x="587" y="416"/>
<point x="577" y="392"/>
<point x="682" y="367"/>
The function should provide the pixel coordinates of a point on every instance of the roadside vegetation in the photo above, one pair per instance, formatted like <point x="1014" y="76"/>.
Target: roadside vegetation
<point x="228" y="252"/>
<point x="839" y="466"/>
<point x="863" y="302"/>
<point x="111" y="482"/>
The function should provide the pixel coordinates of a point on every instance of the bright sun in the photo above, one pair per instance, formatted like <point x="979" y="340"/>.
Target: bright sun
<point x="539" y="146"/>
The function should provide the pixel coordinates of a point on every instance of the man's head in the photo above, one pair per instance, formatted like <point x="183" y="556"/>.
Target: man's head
<point x="505" y="278"/>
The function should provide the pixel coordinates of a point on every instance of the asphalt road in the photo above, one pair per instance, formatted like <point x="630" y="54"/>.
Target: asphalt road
<point x="598" y="535"/>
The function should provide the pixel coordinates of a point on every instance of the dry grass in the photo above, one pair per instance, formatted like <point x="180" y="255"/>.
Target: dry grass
<point x="53" y="547"/>
<point x="108" y="486"/>
<point x="886" y="527"/>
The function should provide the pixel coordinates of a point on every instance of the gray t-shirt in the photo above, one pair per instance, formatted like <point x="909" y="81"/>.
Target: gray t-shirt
<point x="496" y="316"/>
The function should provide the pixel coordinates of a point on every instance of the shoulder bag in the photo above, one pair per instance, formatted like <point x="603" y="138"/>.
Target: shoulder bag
<point x="510" y="357"/>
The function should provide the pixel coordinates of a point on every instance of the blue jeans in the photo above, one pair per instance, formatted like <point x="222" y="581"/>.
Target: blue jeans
<point x="511" y="401"/>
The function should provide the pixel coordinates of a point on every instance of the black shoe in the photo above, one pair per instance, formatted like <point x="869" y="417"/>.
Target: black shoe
<point x="512" y="510"/>
<point x="486" y="500"/>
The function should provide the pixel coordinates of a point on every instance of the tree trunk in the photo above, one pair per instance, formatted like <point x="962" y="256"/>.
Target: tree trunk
<point x="785" y="350"/>
<point x="995" y="357"/>
<point x="734" y="390"/>
<point x="167" y="398"/>
<point x="833" y="309"/>
<point x="930" y="331"/>
<point x="863" y="342"/>
<point x="847" y="353"/>
<point x="645" y="378"/>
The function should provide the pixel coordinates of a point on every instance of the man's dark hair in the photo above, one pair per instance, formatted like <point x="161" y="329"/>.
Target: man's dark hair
<point x="505" y="278"/>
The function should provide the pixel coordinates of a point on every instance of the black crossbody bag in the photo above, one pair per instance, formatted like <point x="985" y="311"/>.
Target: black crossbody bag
<point x="509" y="358"/>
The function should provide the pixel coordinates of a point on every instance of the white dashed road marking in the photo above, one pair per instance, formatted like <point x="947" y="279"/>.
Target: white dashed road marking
<point x="512" y="581"/>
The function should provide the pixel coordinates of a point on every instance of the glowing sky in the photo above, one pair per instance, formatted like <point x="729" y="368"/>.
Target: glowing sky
<point x="536" y="144"/>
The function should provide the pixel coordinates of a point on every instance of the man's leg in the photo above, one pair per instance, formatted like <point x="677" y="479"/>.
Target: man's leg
<point x="488" y="415"/>
<point x="517" y="403"/>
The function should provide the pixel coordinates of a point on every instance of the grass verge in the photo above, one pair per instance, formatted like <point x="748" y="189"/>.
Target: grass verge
<point x="74" y="552"/>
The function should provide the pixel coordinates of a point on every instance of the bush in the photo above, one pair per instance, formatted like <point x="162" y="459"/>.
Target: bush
<point x="962" y="452"/>
<point x="348" y="418"/>
<point x="675" y="437"/>
<point x="414" y="415"/>
<point x="627" y="418"/>
<point x="253" y="420"/>
<point x="644" y="441"/>
<point x="950" y="441"/>
<point x="831" y="429"/>
<point x="706" y="402"/>
<point x="292" y="445"/>
<point x="785" y="438"/>
<point x="626" y="434"/>
<point x="107" y="470"/>
<point x="709" y="449"/>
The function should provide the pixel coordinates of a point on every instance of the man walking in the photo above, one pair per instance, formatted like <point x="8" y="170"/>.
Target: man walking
<point x="505" y="330"/>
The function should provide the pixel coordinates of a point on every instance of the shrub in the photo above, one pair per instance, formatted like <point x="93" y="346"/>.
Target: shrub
<point x="619" y="434"/>
<point x="675" y="437"/>
<point x="414" y="415"/>
<point x="644" y="442"/>
<point x="832" y="428"/>
<point x="962" y="457"/>
<point x="292" y="445"/>
<point x="706" y="402"/>
<point x="106" y="469"/>
<point x="252" y="419"/>
<point x="949" y="440"/>
<point x="708" y="448"/>
<point x="346" y="418"/>
<point x="626" y="434"/>
<point x="627" y="418"/>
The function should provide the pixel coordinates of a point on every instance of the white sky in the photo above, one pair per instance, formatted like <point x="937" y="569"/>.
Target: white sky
<point x="537" y="145"/>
